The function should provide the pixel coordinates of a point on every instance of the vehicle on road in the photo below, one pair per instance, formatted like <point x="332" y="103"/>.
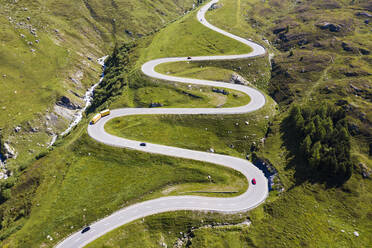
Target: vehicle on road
<point x="105" y="112"/>
<point x="249" y="200"/>
<point x="96" y="118"/>
<point x="86" y="229"/>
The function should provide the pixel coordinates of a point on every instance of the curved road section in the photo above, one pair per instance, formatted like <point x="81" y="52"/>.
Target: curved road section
<point x="255" y="195"/>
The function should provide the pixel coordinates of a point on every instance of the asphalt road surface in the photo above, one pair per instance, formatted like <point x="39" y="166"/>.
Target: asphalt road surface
<point x="255" y="195"/>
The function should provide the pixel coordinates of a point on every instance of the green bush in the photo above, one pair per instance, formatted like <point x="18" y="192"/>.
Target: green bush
<point x="5" y="189"/>
<point x="41" y="155"/>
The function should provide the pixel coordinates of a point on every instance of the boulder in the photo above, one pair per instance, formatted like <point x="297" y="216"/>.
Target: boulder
<point x="66" y="103"/>
<point x="366" y="172"/>
<point x="34" y="130"/>
<point x="237" y="79"/>
<point x="128" y="32"/>
<point x="9" y="151"/>
<point x="364" y="14"/>
<point x="364" y="51"/>
<point x="329" y="26"/>
<point x="17" y="129"/>
<point x="279" y="30"/>
<point x="355" y="88"/>
<point x="346" y="47"/>
<point x="215" y="6"/>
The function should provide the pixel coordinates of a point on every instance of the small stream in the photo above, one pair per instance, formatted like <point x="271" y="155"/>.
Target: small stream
<point x="88" y="97"/>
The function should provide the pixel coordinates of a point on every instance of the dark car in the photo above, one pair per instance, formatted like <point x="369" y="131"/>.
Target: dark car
<point x="143" y="144"/>
<point x="188" y="57"/>
<point x="85" y="229"/>
<point x="254" y="181"/>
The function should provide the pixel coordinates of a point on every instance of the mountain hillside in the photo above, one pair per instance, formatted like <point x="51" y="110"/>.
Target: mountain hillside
<point x="312" y="139"/>
<point x="48" y="60"/>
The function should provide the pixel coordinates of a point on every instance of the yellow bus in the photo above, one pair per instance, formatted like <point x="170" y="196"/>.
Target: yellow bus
<point x="105" y="112"/>
<point x="96" y="118"/>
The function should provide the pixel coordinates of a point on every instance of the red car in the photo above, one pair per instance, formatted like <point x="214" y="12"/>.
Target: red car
<point x="254" y="181"/>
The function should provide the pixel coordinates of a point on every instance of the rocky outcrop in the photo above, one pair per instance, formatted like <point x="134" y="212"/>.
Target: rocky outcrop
<point x="366" y="172"/>
<point x="279" y="30"/>
<point x="270" y="172"/>
<point x="346" y="47"/>
<point x="185" y="239"/>
<point x="237" y="79"/>
<point x="9" y="151"/>
<point x="363" y="14"/>
<point x="356" y="89"/>
<point x="215" y="6"/>
<point x="67" y="103"/>
<point x="364" y="51"/>
<point x="65" y="113"/>
<point x="4" y="173"/>
<point x="329" y="26"/>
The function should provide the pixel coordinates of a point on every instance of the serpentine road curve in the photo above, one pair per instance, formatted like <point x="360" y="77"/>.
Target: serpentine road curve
<point x="255" y="195"/>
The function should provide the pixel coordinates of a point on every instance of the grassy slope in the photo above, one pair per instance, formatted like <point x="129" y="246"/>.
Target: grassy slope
<point x="346" y="208"/>
<point x="320" y="68"/>
<point x="68" y="33"/>
<point x="197" y="132"/>
<point x="305" y="215"/>
<point x="81" y="181"/>
<point x="52" y="202"/>
<point x="141" y="90"/>
<point x="182" y="42"/>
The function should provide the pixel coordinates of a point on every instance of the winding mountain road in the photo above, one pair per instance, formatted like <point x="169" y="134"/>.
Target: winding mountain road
<point x="255" y="195"/>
